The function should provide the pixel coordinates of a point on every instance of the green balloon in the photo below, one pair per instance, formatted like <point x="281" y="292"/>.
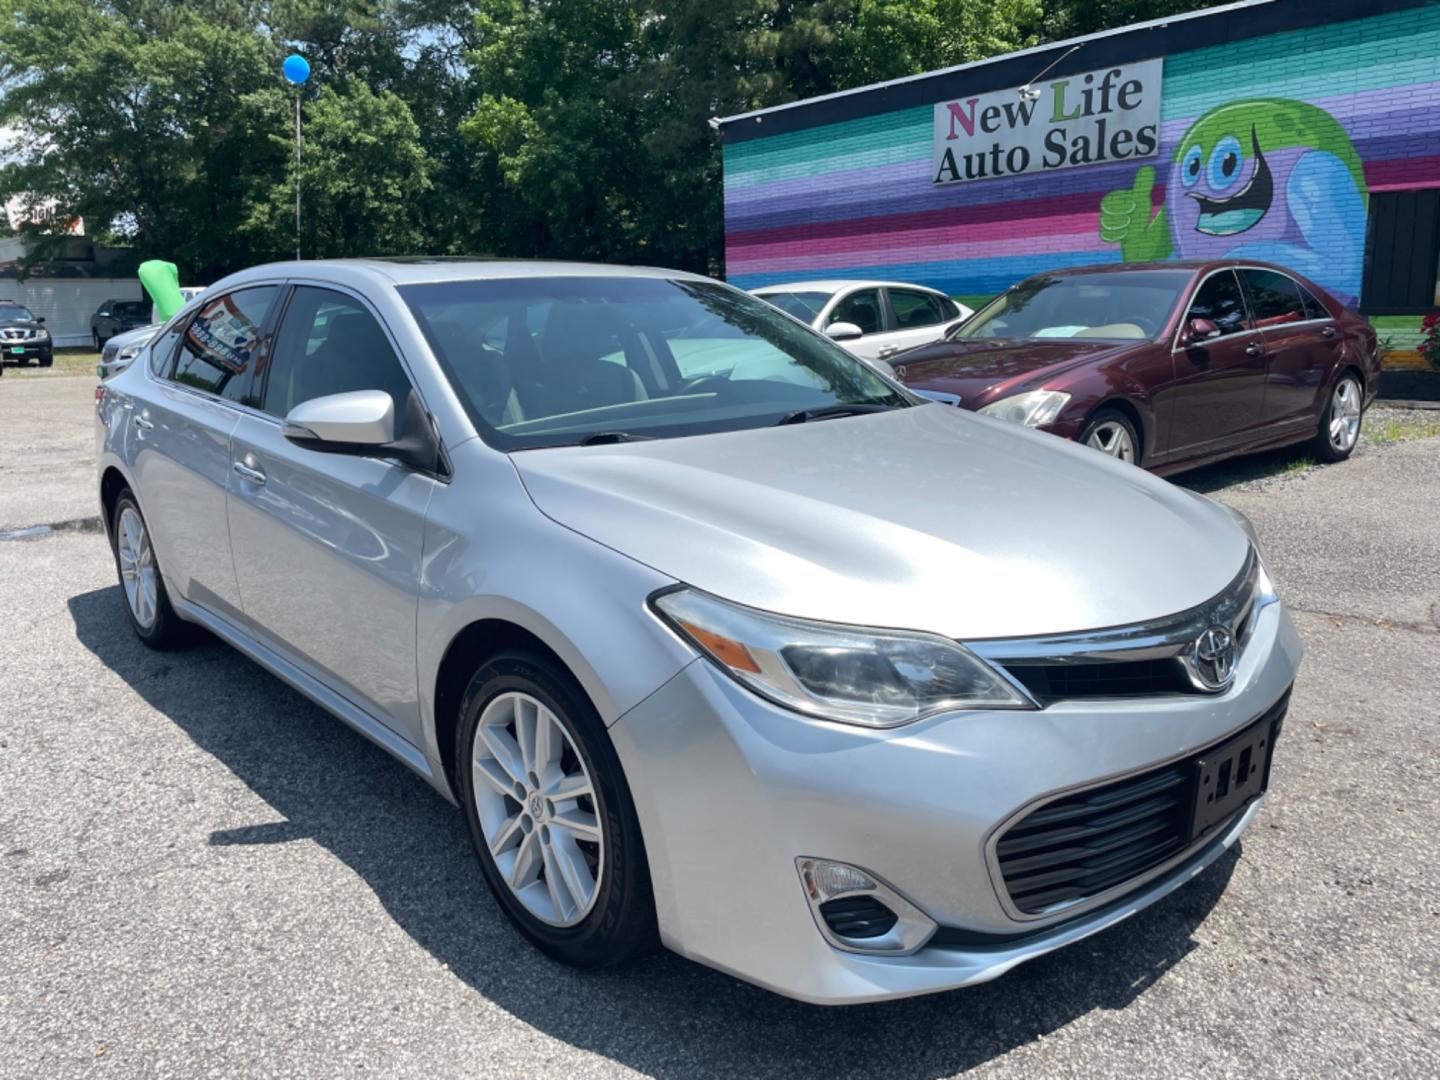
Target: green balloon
<point x="162" y="281"/>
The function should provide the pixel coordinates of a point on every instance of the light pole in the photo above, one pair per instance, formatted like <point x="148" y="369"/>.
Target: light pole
<point x="297" y="70"/>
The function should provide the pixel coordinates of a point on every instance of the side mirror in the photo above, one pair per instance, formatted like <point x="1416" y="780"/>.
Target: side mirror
<point x="843" y="331"/>
<point x="1200" y="330"/>
<point x="362" y="423"/>
<point x="39" y="319"/>
<point x="357" y="422"/>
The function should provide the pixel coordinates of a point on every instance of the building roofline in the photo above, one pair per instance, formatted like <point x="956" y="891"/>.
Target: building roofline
<point x="1170" y="35"/>
<point x="1037" y="51"/>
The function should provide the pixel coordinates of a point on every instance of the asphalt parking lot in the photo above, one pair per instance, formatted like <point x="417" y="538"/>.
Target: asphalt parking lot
<point x="203" y="874"/>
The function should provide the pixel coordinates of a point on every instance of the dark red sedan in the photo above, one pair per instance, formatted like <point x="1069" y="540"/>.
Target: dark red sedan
<point x="1168" y="365"/>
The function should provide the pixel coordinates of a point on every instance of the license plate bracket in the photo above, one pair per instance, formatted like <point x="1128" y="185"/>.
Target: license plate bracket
<point x="1231" y="775"/>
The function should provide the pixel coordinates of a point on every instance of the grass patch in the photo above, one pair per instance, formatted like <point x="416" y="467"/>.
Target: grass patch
<point x="67" y="362"/>
<point x="1379" y="432"/>
<point x="1297" y="465"/>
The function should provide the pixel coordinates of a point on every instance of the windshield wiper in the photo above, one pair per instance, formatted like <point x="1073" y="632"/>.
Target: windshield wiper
<point x="600" y="438"/>
<point x="824" y="412"/>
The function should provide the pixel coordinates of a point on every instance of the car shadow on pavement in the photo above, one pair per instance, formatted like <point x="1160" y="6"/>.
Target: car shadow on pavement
<point x="662" y="1015"/>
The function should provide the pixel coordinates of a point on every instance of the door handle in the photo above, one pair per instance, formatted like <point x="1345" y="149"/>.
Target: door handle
<point x="246" y="472"/>
<point x="143" y="422"/>
<point x="1254" y="349"/>
<point x="1327" y="331"/>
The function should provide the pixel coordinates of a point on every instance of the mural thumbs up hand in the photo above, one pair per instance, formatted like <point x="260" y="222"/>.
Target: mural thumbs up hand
<point x="1125" y="219"/>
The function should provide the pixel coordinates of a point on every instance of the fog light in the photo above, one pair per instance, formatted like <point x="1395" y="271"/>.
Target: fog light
<point x="873" y="917"/>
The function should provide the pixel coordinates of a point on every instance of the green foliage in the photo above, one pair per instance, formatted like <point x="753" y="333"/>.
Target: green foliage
<point x="567" y="128"/>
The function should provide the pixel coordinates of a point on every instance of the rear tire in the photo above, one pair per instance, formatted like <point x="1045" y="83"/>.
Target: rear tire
<point x="147" y="602"/>
<point x="97" y="339"/>
<point x="1111" y="432"/>
<point x="1339" y="431"/>
<point x="529" y="736"/>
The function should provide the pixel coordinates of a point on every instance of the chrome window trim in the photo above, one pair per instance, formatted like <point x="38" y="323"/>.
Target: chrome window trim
<point x="1237" y="607"/>
<point x="1175" y="345"/>
<point x="1115" y="892"/>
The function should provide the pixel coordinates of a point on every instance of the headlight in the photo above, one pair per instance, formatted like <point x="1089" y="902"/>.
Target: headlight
<point x="129" y="352"/>
<point x="874" y="678"/>
<point x="1032" y="409"/>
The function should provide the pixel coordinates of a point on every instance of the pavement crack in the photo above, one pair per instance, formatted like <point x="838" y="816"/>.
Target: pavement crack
<point x="1383" y="623"/>
<point x="53" y="528"/>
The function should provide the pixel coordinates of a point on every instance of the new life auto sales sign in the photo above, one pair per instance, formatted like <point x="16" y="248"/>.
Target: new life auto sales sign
<point x="1107" y="115"/>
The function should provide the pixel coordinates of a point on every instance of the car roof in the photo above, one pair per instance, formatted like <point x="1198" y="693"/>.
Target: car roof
<point x="836" y="284"/>
<point x="414" y="270"/>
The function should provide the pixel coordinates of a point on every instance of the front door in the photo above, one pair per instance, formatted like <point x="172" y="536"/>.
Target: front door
<point x="1219" y="382"/>
<point x="327" y="546"/>
<point x="863" y="308"/>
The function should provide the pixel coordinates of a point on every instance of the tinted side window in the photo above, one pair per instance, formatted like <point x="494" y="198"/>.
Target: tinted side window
<point x="328" y="343"/>
<point x="1314" y="309"/>
<point x="914" y="309"/>
<point x="1276" y="298"/>
<point x="222" y="342"/>
<point x="861" y="308"/>
<point x="1219" y="300"/>
<point x="949" y="309"/>
<point x="162" y="353"/>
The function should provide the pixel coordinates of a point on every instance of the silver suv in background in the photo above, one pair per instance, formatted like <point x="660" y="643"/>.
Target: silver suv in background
<point x="720" y="639"/>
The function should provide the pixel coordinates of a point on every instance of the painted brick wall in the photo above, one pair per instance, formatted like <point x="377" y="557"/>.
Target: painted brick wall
<point x="854" y="199"/>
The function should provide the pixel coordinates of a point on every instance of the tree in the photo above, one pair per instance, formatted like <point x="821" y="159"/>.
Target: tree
<point x="156" y="116"/>
<point x="362" y="177"/>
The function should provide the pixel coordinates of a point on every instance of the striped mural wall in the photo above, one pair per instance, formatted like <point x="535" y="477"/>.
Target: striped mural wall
<point x="855" y="199"/>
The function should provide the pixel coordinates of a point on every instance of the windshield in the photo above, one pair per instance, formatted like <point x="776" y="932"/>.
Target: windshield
<point x="15" y="313"/>
<point x="1127" y="305"/>
<point x="804" y="306"/>
<point x="550" y="361"/>
<point x="128" y="309"/>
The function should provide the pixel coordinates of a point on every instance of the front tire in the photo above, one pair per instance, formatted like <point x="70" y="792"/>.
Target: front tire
<point x="146" y="600"/>
<point x="47" y="361"/>
<point x="1339" y="431"/>
<point x="550" y="813"/>
<point x="1111" y="432"/>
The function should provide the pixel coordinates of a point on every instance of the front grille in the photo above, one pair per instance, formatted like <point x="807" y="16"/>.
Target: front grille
<point x="1125" y="678"/>
<point x="1081" y="845"/>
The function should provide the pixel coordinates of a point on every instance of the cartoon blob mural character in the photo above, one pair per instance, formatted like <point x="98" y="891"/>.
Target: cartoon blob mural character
<point x="1266" y="178"/>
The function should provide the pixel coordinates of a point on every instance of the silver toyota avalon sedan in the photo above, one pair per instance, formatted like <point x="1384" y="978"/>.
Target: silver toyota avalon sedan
<point x="720" y="639"/>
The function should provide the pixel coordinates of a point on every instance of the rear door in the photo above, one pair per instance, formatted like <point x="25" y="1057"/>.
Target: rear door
<point x="915" y="317"/>
<point x="1220" y="382"/>
<point x="327" y="546"/>
<point x="1302" y="345"/>
<point x="179" y="441"/>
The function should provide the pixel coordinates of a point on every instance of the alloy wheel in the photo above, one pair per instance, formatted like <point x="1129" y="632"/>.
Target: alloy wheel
<point x="1345" y="415"/>
<point x="137" y="567"/>
<point x="536" y="803"/>
<point x="1111" y="437"/>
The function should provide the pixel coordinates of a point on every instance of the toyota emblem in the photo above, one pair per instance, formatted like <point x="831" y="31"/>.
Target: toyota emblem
<point x="1214" y="657"/>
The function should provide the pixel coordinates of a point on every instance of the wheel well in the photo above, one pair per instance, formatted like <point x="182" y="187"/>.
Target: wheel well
<point x="470" y="648"/>
<point x="1132" y="414"/>
<point x="111" y="484"/>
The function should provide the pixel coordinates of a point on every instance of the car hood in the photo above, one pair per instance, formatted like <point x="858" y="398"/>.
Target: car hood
<point x="985" y="371"/>
<point x="22" y="324"/>
<point x="927" y="518"/>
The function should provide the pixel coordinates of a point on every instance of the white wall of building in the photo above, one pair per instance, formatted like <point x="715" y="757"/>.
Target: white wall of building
<point x="67" y="303"/>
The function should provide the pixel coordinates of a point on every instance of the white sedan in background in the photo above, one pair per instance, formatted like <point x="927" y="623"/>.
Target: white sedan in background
<point x="872" y="319"/>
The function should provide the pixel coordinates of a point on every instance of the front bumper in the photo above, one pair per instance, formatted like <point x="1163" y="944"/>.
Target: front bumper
<point x="731" y="789"/>
<point x="16" y="351"/>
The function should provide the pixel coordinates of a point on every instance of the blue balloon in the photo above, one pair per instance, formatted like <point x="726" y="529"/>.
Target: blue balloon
<point x="296" y="68"/>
